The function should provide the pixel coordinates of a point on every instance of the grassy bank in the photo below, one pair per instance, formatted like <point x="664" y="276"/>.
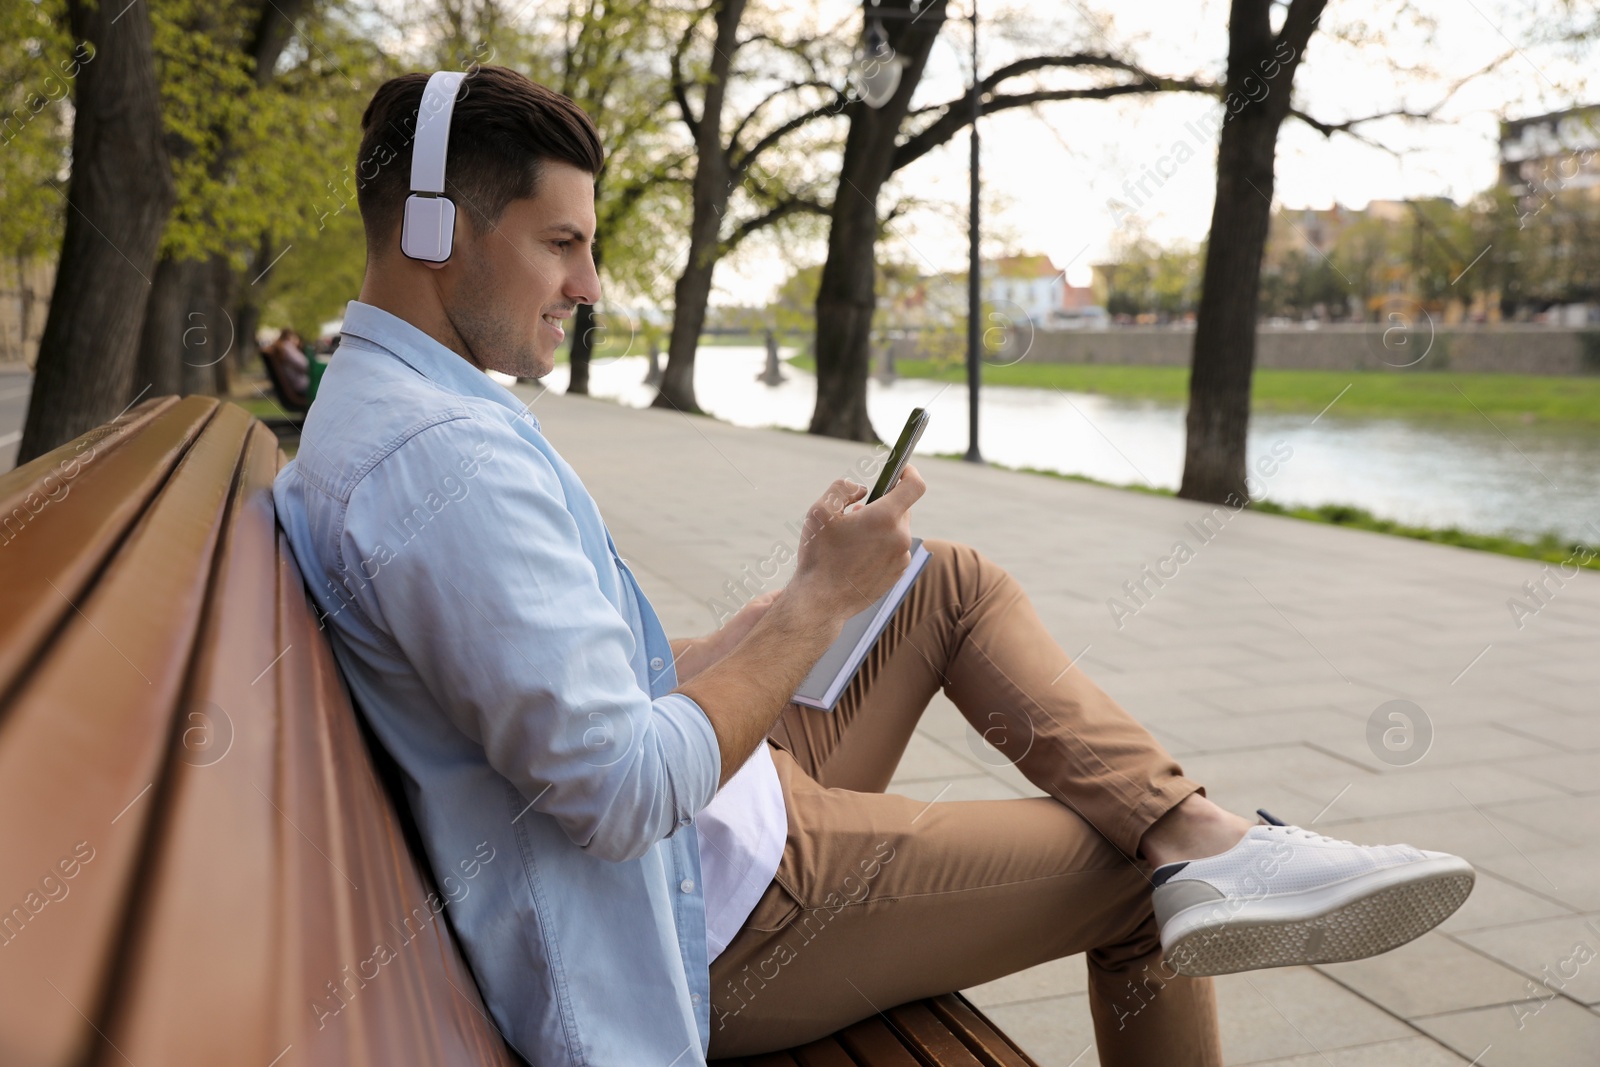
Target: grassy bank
<point x="1507" y="399"/>
<point x="1551" y="548"/>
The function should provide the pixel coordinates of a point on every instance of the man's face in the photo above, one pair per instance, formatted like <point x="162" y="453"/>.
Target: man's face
<point x="511" y="292"/>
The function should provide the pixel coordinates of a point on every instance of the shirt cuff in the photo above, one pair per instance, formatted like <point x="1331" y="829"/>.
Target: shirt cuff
<point x="691" y="750"/>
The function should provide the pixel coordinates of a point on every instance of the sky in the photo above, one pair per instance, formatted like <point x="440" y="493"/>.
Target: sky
<point x="1050" y="174"/>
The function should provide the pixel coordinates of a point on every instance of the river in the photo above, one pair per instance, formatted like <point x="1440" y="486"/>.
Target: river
<point x="1522" y="480"/>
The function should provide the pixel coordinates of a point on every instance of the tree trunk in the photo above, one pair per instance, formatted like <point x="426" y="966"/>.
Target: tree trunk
<point x="580" y="352"/>
<point x="183" y="347"/>
<point x="1225" y="327"/>
<point x="247" y="306"/>
<point x="711" y="191"/>
<point x="847" y="295"/>
<point x="118" y="197"/>
<point x="223" y="337"/>
<point x="160" y="364"/>
<point x="581" y="349"/>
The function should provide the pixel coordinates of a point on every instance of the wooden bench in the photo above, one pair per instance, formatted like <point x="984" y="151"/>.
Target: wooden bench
<point x="201" y="847"/>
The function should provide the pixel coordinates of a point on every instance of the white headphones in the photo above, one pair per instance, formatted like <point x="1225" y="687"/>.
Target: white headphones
<point x="428" y="229"/>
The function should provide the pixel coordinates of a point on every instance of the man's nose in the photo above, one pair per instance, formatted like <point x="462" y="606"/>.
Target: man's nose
<point x="583" y="284"/>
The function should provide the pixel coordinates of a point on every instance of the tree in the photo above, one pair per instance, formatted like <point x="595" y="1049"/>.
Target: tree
<point x="215" y="62"/>
<point x="36" y="76"/>
<point x="875" y="150"/>
<point x="1261" y="68"/>
<point x="118" y="198"/>
<point x="603" y="70"/>
<point x="724" y="165"/>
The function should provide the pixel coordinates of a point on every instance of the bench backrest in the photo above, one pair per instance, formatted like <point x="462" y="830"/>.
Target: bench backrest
<point x="198" y="861"/>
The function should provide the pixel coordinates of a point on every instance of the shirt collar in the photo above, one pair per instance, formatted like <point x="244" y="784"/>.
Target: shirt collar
<point x="427" y="356"/>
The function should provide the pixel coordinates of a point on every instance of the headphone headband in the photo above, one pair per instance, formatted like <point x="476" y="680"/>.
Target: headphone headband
<point x="432" y="142"/>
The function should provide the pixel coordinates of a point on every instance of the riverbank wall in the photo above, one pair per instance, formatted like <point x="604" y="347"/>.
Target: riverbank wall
<point x="1540" y="350"/>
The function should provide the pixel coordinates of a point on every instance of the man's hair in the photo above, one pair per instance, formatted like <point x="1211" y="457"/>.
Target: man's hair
<point x="505" y="127"/>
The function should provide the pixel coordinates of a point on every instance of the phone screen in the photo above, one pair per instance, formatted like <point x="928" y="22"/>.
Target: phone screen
<point x="900" y="453"/>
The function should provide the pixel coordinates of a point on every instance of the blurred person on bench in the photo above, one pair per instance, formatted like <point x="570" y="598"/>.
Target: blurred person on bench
<point x="694" y="865"/>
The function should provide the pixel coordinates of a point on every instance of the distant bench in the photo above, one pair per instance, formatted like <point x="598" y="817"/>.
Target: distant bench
<point x="203" y="859"/>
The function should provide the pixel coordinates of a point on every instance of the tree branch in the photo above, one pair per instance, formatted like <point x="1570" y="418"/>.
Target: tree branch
<point x="733" y="138"/>
<point x="680" y="91"/>
<point x="782" y="210"/>
<point x="957" y="118"/>
<point x="737" y="167"/>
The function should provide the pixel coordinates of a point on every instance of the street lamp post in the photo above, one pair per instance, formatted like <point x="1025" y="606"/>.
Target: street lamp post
<point x="974" y="278"/>
<point x="879" y="76"/>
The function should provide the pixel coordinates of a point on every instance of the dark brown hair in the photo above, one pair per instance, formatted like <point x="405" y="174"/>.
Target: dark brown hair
<point x="504" y="128"/>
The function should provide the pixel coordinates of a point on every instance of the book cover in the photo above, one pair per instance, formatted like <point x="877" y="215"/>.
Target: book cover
<point x="832" y="672"/>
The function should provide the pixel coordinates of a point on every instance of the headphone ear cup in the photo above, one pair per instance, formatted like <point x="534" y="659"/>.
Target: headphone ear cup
<point x="428" y="229"/>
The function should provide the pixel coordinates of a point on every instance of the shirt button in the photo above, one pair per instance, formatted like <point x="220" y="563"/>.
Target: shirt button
<point x="687" y="885"/>
<point x="656" y="663"/>
<point x="684" y="821"/>
<point x="695" y="997"/>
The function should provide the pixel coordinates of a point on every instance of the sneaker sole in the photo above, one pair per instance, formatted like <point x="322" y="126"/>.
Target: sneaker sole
<point x="1349" y="921"/>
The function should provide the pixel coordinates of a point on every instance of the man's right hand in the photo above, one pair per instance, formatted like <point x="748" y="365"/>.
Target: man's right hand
<point x="847" y="559"/>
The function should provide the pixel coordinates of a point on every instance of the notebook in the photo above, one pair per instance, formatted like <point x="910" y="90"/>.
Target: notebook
<point x="831" y="673"/>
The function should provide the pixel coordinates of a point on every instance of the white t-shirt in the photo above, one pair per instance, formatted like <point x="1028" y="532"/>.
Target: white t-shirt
<point x="742" y="833"/>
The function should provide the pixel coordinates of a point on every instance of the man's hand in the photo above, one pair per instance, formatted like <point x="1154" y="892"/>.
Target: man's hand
<point x="846" y="561"/>
<point x="694" y="654"/>
<point x="849" y="558"/>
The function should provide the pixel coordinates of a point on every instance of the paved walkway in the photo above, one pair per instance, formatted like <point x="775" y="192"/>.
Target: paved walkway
<point x="1259" y="661"/>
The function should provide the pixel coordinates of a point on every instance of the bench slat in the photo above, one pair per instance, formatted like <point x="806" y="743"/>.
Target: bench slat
<point x="249" y="891"/>
<point x="871" y="1041"/>
<point x="83" y="745"/>
<point x="211" y="943"/>
<point x="824" y="1053"/>
<point x="99" y="484"/>
<point x="991" y="1047"/>
<point x="926" y="1034"/>
<point x="349" y="885"/>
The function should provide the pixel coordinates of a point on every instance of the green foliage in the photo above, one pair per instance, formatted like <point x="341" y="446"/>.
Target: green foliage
<point x="1549" y="548"/>
<point x="37" y="69"/>
<point x="1505" y="398"/>
<point x="253" y="158"/>
<point x="1150" y="279"/>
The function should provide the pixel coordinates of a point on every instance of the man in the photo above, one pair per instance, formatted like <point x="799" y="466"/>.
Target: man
<point x="688" y="863"/>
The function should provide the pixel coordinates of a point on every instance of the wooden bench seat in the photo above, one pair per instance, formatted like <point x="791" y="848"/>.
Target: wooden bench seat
<point x="200" y="858"/>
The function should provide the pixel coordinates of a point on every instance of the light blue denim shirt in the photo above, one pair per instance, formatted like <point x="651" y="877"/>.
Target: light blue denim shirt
<point x="506" y="657"/>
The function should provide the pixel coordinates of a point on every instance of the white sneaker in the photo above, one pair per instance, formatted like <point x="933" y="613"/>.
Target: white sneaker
<point x="1284" y="896"/>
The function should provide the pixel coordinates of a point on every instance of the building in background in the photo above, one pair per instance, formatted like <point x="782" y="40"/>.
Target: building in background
<point x="1544" y="154"/>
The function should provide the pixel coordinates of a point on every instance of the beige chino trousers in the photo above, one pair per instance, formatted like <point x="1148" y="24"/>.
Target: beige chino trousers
<point x="881" y="899"/>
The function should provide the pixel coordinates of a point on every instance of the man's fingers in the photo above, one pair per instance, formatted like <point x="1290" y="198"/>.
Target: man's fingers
<point x="908" y="490"/>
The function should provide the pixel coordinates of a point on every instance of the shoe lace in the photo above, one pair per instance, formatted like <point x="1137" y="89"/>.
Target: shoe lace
<point x="1309" y="835"/>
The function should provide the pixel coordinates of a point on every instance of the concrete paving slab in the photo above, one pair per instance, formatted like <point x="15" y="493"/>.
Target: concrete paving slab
<point x="1563" y="1034"/>
<point x="1559" y="955"/>
<point x="1406" y="981"/>
<point x="1407" y="1052"/>
<point x="1281" y="638"/>
<point x="1291" y="1011"/>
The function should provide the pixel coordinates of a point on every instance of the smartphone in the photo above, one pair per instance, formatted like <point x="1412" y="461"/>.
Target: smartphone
<point x="901" y="452"/>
